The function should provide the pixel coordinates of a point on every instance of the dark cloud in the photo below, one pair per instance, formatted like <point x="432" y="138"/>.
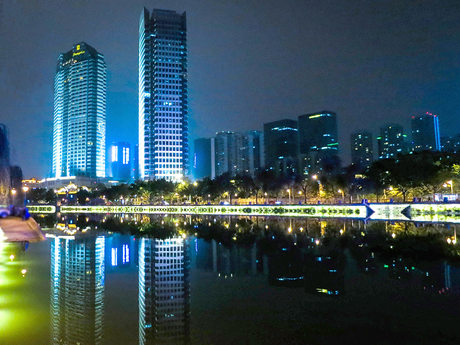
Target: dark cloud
<point x="249" y="62"/>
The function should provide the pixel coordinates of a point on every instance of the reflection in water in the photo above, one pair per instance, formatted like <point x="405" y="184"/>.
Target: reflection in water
<point x="164" y="291"/>
<point x="77" y="289"/>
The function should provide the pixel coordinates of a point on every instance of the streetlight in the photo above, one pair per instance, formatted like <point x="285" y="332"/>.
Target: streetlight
<point x="25" y="189"/>
<point x="289" y="192"/>
<point x="13" y="193"/>
<point x="343" y="194"/>
<point x="451" y="184"/>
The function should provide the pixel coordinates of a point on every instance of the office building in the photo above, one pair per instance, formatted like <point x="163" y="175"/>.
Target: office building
<point x="318" y="142"/>
<point x="425" y="133"/>
<point x="255" y="144"/>
<point x="231" y="154"/>
<point x="204" y="158"/>
<point x="163" y="105"/>
<point x="164" y="291"/>
<point x="79" y="113"/>
<point x="281" y="143"/>
<point x="77" y="289"/>
<point x="392" y="141"/>
<point x="362" y="149"/>
<point x="451" y="144"/>
<point x="120" y="161"/>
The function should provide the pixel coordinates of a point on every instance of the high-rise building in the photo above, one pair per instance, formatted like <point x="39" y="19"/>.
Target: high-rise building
<point x="79" y="113"/>
<point x="281" y="143"/>
<point x="163" y="106"/>
<point x="362" y="149"/>
<point x="256" y="159"/>
<point x="120" y="161"/>
<point x="318" y="142"/>
<point x="425" y="133"/>
<point x="451" y="144"/>
<point x="4" y="165"/>
<point x="77" y="289"/>
<point x="135" y="167"/>
<point x="164" y="291"/>
<point x="231" y="154"/>
<point x="392" y="141"/>
<point x="204" y="158"/>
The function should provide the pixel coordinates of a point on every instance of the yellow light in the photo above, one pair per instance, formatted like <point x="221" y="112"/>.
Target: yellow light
<point x="13" y="191"/>
<point x="11" y="257"/>
<point x="25" y="188"/>
<point x="314" y="177"/>
<point x="23" y="271"/>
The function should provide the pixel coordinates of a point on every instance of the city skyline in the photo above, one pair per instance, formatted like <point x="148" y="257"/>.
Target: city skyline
<point x="324" y="78"/>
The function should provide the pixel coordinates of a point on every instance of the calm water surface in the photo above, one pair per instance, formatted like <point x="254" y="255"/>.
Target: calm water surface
<point x="230" y="281"/>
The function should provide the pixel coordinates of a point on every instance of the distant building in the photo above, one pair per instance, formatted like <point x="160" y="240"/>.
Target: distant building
<point x="119" y="161"/>
<point x="362" y="149"/>
<point x="281" y="141"/>
<point x="163" y="105"/>
<point x="451" y="144"/>
<point x="255" y="144"/>
<point x="5" y="181"/>
<point x="392" y="141"/>
<point x="204" y="158"/>
<point x="425" y="133"/>
<point x="164" y="291"/>
<point x="318" y="142"/>
<point x="79" y="113"/>
<point x="231" y="154"/>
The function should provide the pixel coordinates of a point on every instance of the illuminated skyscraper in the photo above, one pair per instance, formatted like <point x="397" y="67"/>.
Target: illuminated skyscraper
<point x="120" y="161"/>
<point x="281" y="141"/>
<point x="77" y="290"/>
<point x="425" y="133"/>
<point x="318" y="142"/>
<point x="164" y="291"/>
<point x="361" y="149"/>
<point x="79" y="113"/>
<point x="392" y="141"/>
<point x="163" y="105"/>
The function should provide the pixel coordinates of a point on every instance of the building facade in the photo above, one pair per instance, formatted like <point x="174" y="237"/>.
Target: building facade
<point x="163" y="105"/>
<point x="392" y="141"/>
<point x="362" y="153"/>
<point x="231" y="153"/>
<point x="79" y="113"/>
<point x="281" y="141"/>
<point x="255" y="144"/>
<point x="120" y="161"/>
<point x="451" y="144"/>
<point x="318" y="142"/>
<point x="425" y="133"/>
<point x="204" y="158"/>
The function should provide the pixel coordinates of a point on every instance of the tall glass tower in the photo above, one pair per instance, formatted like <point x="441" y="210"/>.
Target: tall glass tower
<point x="163" y="106"/>
<point x="79" y="113"/>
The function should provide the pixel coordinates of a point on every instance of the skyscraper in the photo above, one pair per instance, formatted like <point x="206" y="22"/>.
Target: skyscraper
<point x="79" y="113"/>
<point x="204" y="158"/>
<point x="362" y="149"/>
<point x="318" y="142"/>
<point x="119" y="161"/>
<point x="256" y="159"/>
<point x="231" y="153"/>
<point x="451" y="144"/>
<point x="392" y="141"/>
<point x="4" y="165"/>
<point x="425" y="133"/>
<point x="281" y="143"/>
<point x="163" y="105"/>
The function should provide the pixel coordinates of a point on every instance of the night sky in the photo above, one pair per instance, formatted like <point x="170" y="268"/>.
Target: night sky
<point x="250" y="62"/>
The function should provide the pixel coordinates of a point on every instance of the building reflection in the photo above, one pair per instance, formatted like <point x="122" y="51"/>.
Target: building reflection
<point x="164" y="291"/>
<point x="77" y="289"/>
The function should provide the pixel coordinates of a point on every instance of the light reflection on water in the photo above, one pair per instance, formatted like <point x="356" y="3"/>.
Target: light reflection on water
<point x="315" y="261"/>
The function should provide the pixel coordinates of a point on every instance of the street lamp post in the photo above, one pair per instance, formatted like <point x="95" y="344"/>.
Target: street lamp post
<point x="25" y="189"/>
<point x="343" y="195"/>
<point x="289" y="193"/>
<point x="13" y="193"/>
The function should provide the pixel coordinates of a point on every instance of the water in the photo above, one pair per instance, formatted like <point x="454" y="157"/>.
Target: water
<point x="206" y="280"/>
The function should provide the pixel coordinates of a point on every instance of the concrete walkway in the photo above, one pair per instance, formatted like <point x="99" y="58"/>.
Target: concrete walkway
<point x="15" y="229"/>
